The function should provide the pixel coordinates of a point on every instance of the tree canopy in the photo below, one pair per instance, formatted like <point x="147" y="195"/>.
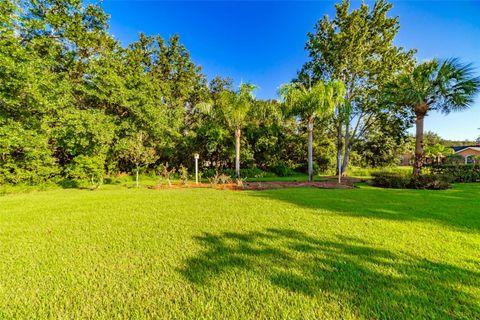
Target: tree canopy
<point x="356" y="47"/>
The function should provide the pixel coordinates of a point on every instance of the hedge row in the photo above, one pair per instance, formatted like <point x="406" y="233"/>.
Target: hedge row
<point x="399" y="181"/>
<point x="458" y="173"/>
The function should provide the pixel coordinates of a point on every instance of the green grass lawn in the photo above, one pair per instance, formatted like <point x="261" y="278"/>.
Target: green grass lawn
<point x="201" y="253"/>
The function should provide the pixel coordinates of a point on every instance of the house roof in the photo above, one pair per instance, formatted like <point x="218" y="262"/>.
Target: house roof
<point x="461" y="148"/>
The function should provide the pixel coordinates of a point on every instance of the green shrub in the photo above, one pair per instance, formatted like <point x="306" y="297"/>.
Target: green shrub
<point x="317" y="169"/>
<point x="244" y="173"/>
<point x="183" y="174"/>
<point x="458" y="173"/>
<point x="208" y="173"/>
<point x="398" y="181"/>
<point x="454" y="159"/>
<point x="25" y="156"/>
<point x="281" y="169"/>
<point x="85" y="168"/>
<point x="111" y="180"/>
<point x="390" y="180"/>
<point x="322" y="164"/>
<point x="430" y="182"/>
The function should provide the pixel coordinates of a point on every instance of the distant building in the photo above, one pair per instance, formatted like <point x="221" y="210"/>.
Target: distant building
<point x="469" y="153"/>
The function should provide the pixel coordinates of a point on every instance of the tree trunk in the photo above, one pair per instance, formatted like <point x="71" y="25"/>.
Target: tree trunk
<point x="310" y="150"/>
<point x="137" y="177"/>
<point x="237" y="152"/>
<point x="346" y="159"/>
<point x="348" y="148"/>
<point x="417" y="165"/>
<point x="339" y="147"/>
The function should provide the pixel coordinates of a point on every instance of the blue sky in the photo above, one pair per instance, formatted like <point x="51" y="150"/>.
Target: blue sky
<point x="262" y="42"/>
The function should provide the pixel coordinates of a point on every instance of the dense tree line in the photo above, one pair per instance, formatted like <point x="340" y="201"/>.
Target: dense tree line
<point x="76" y="104"/>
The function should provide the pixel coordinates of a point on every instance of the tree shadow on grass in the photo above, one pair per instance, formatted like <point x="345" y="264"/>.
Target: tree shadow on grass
<point x="455" y="208"/>
<point x="373" y="282"/>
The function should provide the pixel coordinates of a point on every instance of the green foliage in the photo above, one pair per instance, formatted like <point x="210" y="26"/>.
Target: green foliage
<point x="458" y="172"/>
<point x="357" y="47"/>
<point x="183" y="173"/>
<point x="85" y="168"/>
<point x="233" y="109"/>
<point x="236" y="106"/>
<point x="83" y="132"/>
<point x="378" y="151"/>
<point x="438" y="150"/>
<point x="245" y="172"/>
<point x="362" y="172"/>
<point x="311" y="102"/>
<point x="433" y="86"/>
<point x="390" y="180"/>
<point x="64" y="78"/>
<point x="135" y="150"/>
<point x="454" y="159"/>
<point x="214" y="178"/>
<point x="430" y="182"/>
<point x="165" y="172"/>
<point x="25" y="156"/>
<point x="220" y="178"/>
<point x="281" y="169"/>
<point x="443" y="86"/>
<point x="399" y="181"/>
<point x="76" y="104"/>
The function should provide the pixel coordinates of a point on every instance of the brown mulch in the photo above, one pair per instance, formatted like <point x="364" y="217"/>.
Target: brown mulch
<point x="181" y="186"/>
<point x="347" y="184"/>
<point x="329" y="183"/>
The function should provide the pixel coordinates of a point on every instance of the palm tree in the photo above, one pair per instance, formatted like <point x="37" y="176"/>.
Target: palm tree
<point x="233" y="108"/>
<point x="434" y="86"/>
<point x="311" y="102"/>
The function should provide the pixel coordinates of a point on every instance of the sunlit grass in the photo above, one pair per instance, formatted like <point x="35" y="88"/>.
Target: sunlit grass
<point x="202" y="253"/>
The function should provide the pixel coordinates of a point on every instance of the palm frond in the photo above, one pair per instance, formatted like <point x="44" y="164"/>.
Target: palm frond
<point x="310" y="102"/>
<point x="457" y="86"/>
<point x="445" y="85"/>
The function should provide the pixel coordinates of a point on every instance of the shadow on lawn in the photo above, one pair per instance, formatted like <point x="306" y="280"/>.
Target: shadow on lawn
<point x="373" y="282"/>
<point x="456" y="208"/>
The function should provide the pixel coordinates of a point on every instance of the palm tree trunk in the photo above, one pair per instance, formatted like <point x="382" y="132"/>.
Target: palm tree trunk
<point x="339" y="148"/>
<point x="237" y="152"/>
<point x="310" y="150"/>
<point x="348" y="148"/>
<point x="417" y="165"/>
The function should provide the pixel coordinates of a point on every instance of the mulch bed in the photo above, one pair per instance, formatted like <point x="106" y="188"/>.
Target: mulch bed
<point x="295" y="184"/>
<point x="329" y="183"/>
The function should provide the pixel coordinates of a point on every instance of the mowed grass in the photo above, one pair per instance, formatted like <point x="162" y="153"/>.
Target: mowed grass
<point x="199" y="253"/>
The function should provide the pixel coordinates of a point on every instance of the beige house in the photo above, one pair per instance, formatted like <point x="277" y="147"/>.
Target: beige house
<point x="469" y="153"/>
